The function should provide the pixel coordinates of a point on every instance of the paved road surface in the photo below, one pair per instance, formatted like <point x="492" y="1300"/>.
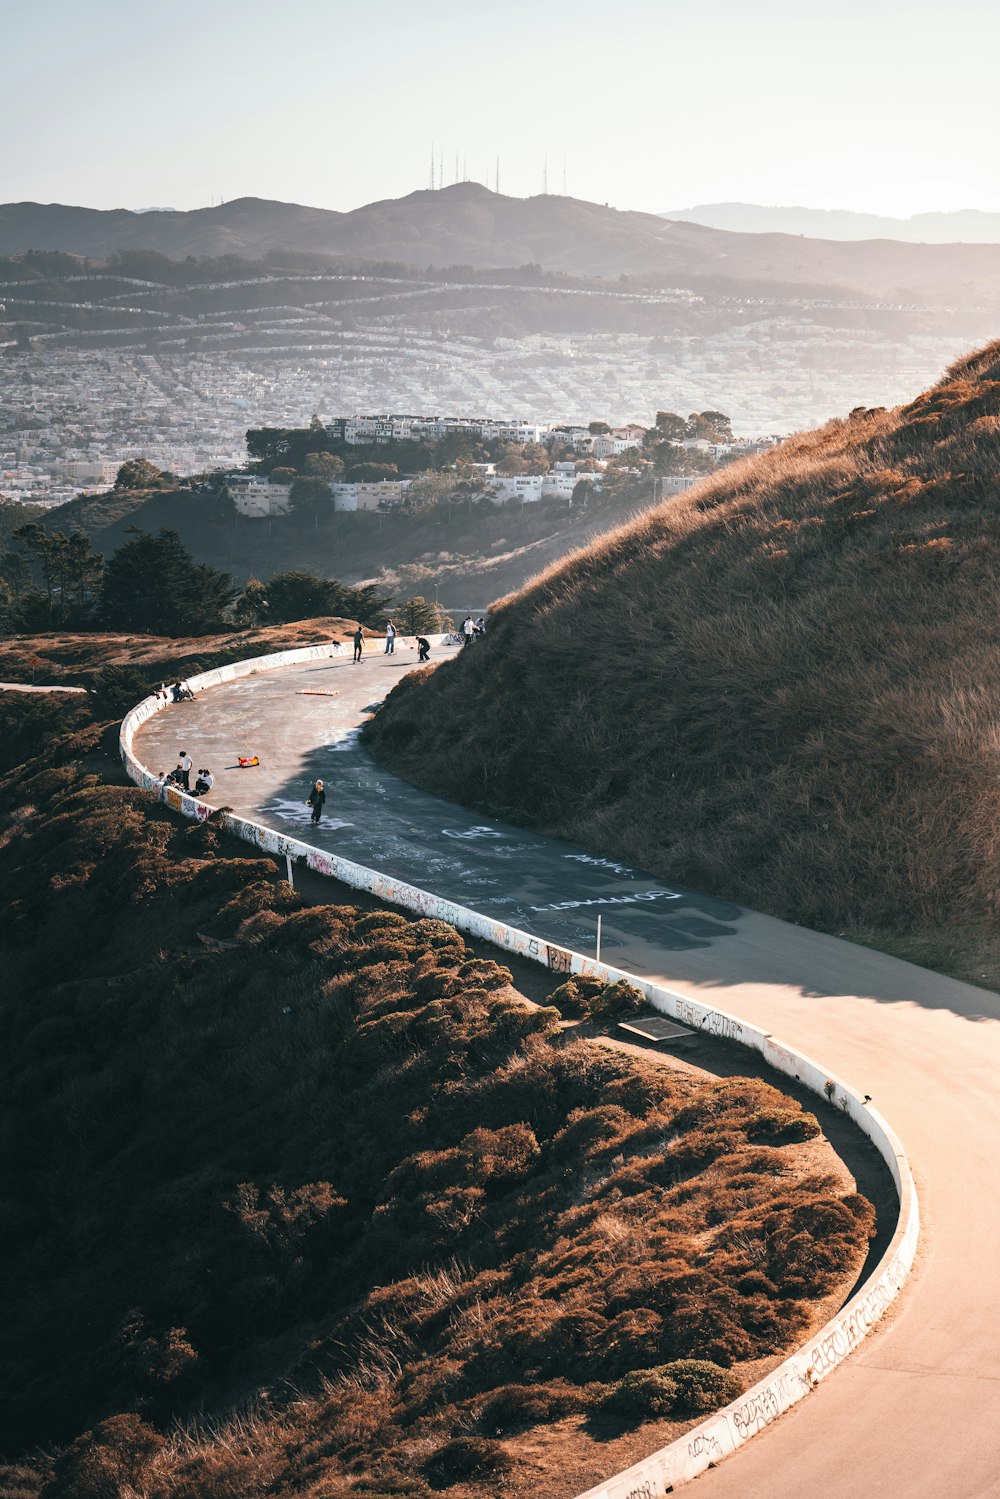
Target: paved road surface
<point x="916" y="1411"/>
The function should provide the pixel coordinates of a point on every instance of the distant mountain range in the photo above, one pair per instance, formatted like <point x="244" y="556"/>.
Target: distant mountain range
<point x="966" y="226"/>
<point x="467" y="224"/>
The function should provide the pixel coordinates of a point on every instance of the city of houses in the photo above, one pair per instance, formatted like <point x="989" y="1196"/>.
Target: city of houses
<point x="69" y="419"/>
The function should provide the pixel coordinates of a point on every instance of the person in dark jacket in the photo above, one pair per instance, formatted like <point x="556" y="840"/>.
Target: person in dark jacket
<point x="317" y="800"/>
<point x="423" y="648"/>
<point x="359" y="643"/>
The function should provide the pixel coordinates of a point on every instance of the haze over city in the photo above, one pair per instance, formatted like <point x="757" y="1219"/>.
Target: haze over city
<point x="649" y="106"/>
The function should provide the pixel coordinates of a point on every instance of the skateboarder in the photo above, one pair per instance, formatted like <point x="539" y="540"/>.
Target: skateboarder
<point x="359" y="644"/>
<point x="316" y="799"/>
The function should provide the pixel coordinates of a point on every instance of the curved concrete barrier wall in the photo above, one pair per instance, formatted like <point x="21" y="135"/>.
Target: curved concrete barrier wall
<point x="730" y="1427"/>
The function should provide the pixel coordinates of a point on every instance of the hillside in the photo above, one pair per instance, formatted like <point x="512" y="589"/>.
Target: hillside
<point x="780" y="687"/>
<point x="308" y="1200"/>
<point x="963" y="226"/>
<point x="467" y="224"/>
<point x="471" y="559"/>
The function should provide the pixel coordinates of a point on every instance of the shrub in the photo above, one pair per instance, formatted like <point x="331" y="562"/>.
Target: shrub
<point x="617" y="1000"/>
<point x="466" y="1457"/>
<point x="685" y="1387"/>
<point x="517" y="1406"/>
<point x="588" y="998"/>
<point x="640" y="1395"/>
<point x="701" y="1385"/>
<point x="101" y="1464"/>
<point x="573" y="999"/>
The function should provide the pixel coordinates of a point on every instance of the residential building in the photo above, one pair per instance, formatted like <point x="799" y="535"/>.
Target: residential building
<point x="255" y="498"/>
<point x="381" y="494"/>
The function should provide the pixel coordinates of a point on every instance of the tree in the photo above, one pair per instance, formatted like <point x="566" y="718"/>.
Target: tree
<point x="309" y="498"/>
<point x="138" y="473"/>
<point x="669" y="427"/>
<point x="417" y="617"/>
<point x="597" y="428"/>
<point x="370" y="473"/>
<point x="531" y="458"/>
<point x="252" y="606"/>
<point x="323" y="466"/>
<point x="153" y="584"/>
<point x="70" y="568"/>
<point x="428" y="492"/>
<point x="300" y="594"/>
<point x="709" y="426"/>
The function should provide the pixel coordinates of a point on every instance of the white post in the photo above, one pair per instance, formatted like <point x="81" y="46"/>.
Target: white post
<point x="288" y="867"/>
<point x="598" y="939"/>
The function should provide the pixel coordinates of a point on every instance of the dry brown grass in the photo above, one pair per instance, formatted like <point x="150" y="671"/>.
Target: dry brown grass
<point x="70" y="656"/>
<point x="780" y="687"/>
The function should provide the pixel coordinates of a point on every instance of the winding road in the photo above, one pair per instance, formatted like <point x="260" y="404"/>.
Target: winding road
<point x="916" y="1409"/>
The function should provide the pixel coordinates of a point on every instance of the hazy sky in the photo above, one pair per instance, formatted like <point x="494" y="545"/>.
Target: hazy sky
<point x="886" y="107"/>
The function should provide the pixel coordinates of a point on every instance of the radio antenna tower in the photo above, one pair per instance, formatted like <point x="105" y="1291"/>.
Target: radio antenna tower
<point x="545" y="177"/>
<point x="498" y="174"/>
<point x="432" y="166"/>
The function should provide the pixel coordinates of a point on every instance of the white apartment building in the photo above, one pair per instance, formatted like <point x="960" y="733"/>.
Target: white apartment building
<point x="369" y="496"/>
<point x="530" y="487"/>
<point x="255" y="498"/>
<point x="676" y="483"/>
<point x="611" y="444"/>
<point x="85" y="471"/>
<point x="581" y="437"/>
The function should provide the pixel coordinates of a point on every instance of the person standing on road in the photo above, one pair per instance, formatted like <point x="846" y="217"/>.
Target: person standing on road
<point x="423" y="648"/>
<point x="316" y="800"/>
<point x="390" y="638"/>
<point x="468" y="630"/>
<point x="185" y="765"/>
<point x="359" y="644"/>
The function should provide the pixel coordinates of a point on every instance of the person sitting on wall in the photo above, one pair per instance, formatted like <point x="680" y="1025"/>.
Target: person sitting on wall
<point x="205" y="782"/>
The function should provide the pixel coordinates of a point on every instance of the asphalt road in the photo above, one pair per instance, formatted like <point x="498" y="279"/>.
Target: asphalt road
<point x="916" y="1410"/>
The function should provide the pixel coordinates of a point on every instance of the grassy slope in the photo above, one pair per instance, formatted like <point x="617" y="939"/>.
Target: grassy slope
<point x="251" y="1147"/>
<point x="72" y="657"/>
<point x="781" y="688"/>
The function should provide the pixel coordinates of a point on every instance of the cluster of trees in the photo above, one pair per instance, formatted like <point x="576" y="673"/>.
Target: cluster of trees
<point x="153" y="585"/>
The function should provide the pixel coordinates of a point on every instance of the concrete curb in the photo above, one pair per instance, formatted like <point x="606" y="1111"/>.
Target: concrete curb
<point x="755" y="1410"/>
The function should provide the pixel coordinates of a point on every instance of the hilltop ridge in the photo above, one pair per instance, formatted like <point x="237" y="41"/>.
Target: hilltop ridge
<point x="468" y="224"/>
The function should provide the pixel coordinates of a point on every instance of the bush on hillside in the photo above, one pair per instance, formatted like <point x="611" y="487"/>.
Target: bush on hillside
<point x="685" y="1387"/>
